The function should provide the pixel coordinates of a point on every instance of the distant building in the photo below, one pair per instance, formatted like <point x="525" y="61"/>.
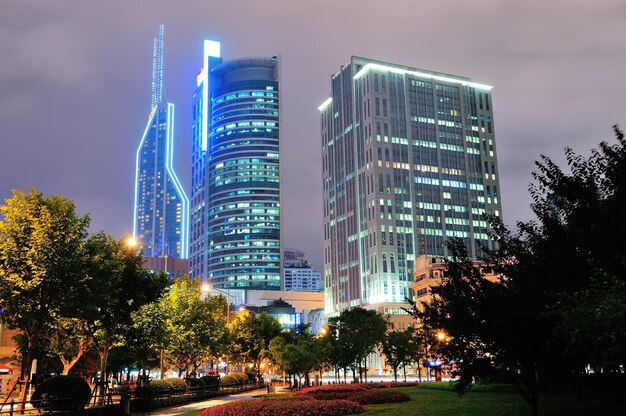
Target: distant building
<point x="176" y="268"/>
<point x="161" y="210"/>
<point x="409" y="161"/>
<point x="236" y="210"/>
<point x="298" y="274"/>
<point x="430" y="270"/>
<point x="289" y="308"/>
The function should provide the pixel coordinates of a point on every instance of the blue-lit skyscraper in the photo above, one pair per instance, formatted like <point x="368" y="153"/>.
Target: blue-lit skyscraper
<point x="409" y="161"/>
<point x="235" y="214"/>
<point x="161" y="207"/>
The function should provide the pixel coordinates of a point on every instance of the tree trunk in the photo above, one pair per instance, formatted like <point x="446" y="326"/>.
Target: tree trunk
<point x="104" y="355"/>
<point x="395" y="373"/>
<point x="365" y="369"/>
<point x="404" y="371"/>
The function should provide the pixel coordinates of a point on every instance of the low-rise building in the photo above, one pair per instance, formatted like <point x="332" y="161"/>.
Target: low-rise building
<point x="430" y="270"/>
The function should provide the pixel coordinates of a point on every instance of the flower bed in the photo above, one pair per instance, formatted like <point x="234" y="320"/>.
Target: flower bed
<point x="290" y="406"/>
<point x="364" y="397"/>
<point x="334" y="388"/>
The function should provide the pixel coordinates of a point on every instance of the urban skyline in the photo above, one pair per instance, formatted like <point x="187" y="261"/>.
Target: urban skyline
<point x="556" y="85"/>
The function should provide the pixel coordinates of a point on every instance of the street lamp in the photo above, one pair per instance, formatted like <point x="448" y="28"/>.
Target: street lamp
<point x="134" y="243"/>
<point x="206" y="290"/>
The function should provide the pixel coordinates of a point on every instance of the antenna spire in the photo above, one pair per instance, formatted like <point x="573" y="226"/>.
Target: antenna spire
<point x="157" y="67"/>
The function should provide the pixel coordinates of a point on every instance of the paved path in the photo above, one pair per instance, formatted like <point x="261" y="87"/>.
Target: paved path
<point x="190" y="407"/>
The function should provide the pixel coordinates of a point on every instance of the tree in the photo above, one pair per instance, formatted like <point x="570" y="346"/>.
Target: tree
<point x="41" y="266"/>
<point x="397" y="348"/>
<point x="147" y="337"/>
<point x="196" y="327"/>
<point x="359" y="332"/>
<point x="297" y="352"/>
<point x="559" y="306"/>
<point x="251" y="335"/>
<point x="70" y="340"/>
<point x="118" y="286"/>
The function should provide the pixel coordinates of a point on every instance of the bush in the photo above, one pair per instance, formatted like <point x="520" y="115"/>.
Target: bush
<point x="233" y="379"/>
<point x="177" y="384"/>
<point x="364" y="397"/>
<point x="62" y="393"/>
<point x="211" y="381"/>
<point x="195" y="382"/>
<point x="285" y="407"/>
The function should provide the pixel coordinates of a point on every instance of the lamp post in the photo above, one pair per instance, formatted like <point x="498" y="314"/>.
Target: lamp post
<point x="133" y="242"/>
<point x="206" y="289"/>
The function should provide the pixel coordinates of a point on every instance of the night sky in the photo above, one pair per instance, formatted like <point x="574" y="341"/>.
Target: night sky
<point x="75" y="84"/>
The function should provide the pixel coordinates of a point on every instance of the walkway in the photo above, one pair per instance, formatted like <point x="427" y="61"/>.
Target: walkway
<point x="190" y="407"/>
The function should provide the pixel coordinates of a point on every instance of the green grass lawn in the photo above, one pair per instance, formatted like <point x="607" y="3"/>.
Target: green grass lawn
<point x="425" y="402"/>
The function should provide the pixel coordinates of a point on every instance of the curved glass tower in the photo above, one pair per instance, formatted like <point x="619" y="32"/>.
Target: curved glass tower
<point x="236" y="179"/>
<point x="161" y="206"/>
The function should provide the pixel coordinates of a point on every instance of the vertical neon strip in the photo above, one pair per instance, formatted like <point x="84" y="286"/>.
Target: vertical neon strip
<point x="137" y="169"/>
<point x="211" y="48"/>
<point x="169" y="151"/>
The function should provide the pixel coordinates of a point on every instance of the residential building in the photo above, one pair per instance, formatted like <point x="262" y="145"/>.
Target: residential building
<point x="161" y="210"/>
<point x="236" y="212"/>
<point x="409" y="161"/>
<point x="298" y="274"/>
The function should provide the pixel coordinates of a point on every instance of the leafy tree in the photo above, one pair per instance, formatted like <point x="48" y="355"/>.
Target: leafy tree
<point x="251" y="334"/>
<point x="559" y="306"/>
<point x="359" y="332"/>
<point x="297" y="352"/>
<point x="70" y="340"/>
<point x="118" y="286"/>
<point x="397" y="348"/>
<point x="147" y="337"/>
<point x="196" y="327"/>
<point x="41" y="266"/>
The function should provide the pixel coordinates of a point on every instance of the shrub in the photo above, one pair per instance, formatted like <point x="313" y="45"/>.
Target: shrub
<point x="158" y="385"/>
<point x="62" y="393"/>
<point x="334" y="388"/>
<point x="234" y="378"/>
<point x="195" y="382"/>
<point x="285" y="407"/>
<point x="365" y="397"/>
<point x="211" y="381"/>
<point x="177" y="384"/>
<point x="251" y="376"/>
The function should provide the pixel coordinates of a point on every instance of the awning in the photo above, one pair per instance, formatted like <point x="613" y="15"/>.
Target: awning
<point x="5" y="369"/>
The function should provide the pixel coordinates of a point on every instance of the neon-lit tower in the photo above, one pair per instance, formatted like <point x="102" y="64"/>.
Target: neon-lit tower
<point x="235" y="214"/>
<point x="161" y="208"/>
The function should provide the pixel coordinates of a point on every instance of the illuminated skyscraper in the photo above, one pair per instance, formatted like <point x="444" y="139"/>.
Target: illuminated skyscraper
<point x="409" y="160"/>
<point x="235" y="214"/>
<point x="161" y="207"/>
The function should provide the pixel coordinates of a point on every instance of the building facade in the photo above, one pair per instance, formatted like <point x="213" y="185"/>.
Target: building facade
<point x="161" y="211"/>
<point x="298" y="274"/>
<point x="409" y="160"/>
<point x="236" y="212"/>
<point x="430" y="270"/>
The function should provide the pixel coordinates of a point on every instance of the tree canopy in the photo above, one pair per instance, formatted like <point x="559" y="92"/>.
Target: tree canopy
<point x="561" y="304"/>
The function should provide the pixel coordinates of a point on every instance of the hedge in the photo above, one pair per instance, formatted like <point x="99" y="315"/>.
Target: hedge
<point x="364" y="397"/>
